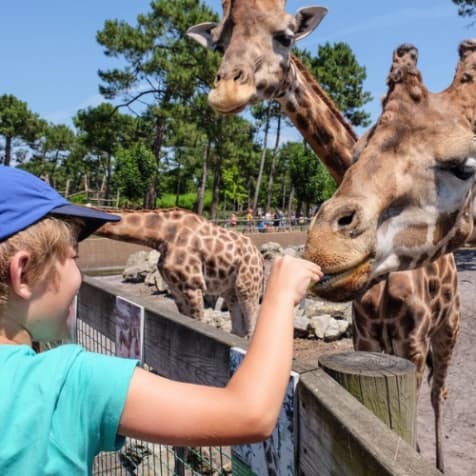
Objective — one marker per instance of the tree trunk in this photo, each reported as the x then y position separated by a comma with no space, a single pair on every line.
8,150
263,158
150,197
203,181
108,177
290,201
269,192
177,188
216,186
298,208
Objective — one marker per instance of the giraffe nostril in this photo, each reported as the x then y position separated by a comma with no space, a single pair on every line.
239,76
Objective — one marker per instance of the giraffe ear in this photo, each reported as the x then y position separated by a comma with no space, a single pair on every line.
202,34
307,20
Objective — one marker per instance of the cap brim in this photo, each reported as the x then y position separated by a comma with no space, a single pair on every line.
93,219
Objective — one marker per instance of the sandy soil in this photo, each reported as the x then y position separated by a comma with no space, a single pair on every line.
459,416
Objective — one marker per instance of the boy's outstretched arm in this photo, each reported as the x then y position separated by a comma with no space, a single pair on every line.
246,410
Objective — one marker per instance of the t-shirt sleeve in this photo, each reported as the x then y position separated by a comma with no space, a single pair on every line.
101,384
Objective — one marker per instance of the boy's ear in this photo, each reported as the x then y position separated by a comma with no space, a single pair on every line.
18,277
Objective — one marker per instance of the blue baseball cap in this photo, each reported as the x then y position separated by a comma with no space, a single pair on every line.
25,199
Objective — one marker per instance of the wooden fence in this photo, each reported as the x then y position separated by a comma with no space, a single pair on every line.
334,434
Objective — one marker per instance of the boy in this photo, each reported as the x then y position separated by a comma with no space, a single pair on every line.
59,408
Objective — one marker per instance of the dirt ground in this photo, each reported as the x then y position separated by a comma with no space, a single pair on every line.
459,414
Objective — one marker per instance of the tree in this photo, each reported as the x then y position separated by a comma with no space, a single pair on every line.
466,8
311,181
102,130
50,150
134,171
16,122
338,72
161,66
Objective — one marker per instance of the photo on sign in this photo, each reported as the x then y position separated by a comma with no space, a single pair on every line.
129,320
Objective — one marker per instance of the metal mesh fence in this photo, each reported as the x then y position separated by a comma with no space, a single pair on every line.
146,459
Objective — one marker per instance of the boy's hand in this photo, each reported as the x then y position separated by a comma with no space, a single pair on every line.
292,276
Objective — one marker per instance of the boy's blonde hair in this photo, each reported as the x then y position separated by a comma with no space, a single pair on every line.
47,240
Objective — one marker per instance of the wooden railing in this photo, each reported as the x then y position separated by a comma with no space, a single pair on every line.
334,434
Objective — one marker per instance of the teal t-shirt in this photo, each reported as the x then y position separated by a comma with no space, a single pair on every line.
59,408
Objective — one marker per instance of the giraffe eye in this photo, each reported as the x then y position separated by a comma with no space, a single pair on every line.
218,48
463,170
285,39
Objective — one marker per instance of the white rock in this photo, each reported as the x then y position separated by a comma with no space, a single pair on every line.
319,324
332,330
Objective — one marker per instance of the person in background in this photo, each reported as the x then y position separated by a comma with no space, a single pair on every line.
233,220
61,407
249,220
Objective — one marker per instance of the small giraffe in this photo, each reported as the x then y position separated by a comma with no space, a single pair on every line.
418,165
257,38
197,258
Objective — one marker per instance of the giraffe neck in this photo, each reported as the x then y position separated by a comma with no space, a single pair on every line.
150,228
318,120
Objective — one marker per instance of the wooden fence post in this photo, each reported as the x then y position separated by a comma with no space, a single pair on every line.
384,383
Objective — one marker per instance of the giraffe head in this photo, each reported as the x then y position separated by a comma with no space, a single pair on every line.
408,197
256,38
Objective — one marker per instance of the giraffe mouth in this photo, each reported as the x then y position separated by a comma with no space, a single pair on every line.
229,111
344,285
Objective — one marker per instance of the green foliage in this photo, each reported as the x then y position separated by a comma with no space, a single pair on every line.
341,76
312,183
233,186
156,52
134,171
103,129
186,200
466,8
17,122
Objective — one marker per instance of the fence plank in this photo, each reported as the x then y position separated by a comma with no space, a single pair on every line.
338,435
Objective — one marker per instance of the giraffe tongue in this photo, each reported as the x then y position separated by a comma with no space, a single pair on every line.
348,280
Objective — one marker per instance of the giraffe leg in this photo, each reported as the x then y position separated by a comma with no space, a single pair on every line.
189,302
442,345
238,324
248,290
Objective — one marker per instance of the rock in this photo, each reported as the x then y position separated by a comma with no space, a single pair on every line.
290,251
301,325
218,319
332,331
139,265
134,274
297,250
345,328
220,304
313,307
156,279
318,325
271,249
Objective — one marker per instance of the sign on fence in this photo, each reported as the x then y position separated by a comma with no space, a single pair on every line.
274,456
129,322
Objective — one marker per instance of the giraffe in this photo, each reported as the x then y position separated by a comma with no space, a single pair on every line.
418,165
197,258
257,65
256,38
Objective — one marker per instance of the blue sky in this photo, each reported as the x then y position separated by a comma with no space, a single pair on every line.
50,57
